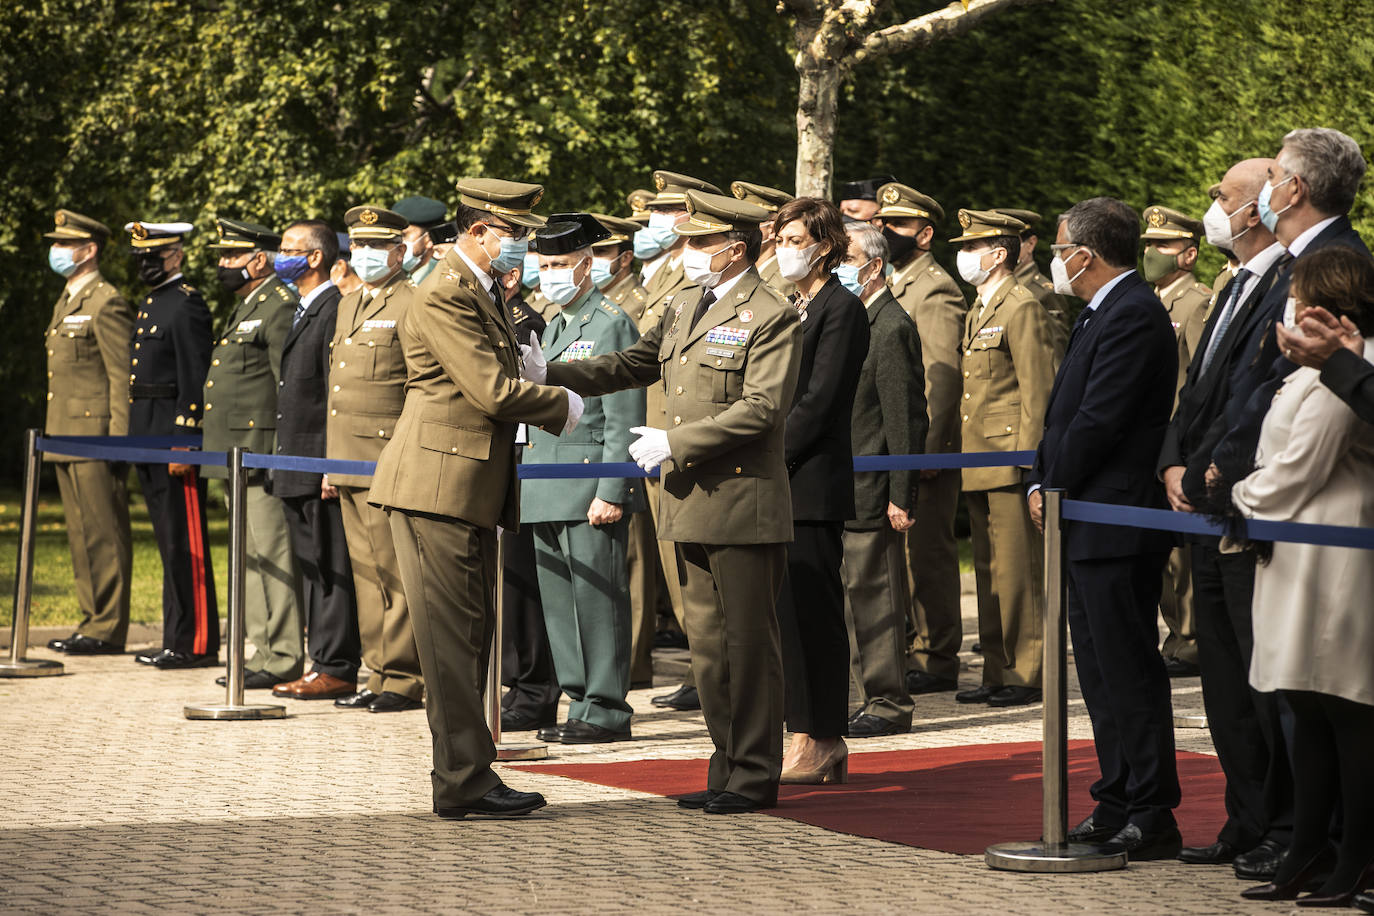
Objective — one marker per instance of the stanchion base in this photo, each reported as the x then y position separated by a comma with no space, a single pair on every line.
506,751
1043,859
31,667
225,711
1190,721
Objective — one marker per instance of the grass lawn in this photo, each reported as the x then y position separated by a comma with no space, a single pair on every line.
54,591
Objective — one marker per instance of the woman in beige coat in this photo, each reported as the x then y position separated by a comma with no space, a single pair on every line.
1314,606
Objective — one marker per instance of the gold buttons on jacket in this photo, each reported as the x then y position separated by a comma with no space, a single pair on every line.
677,390
718,362
739,470
333,413
968,352
342,364
138,346
210,383
348,340
214,362
454,449
677,421
336,387
223,341
250,424
683,360
586,461
134,362
965,418
966,373
49,395
967,395
382,433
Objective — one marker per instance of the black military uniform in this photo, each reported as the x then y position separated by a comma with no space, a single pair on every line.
169,356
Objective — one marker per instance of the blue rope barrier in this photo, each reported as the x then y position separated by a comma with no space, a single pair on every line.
1187,523
186,439
308,465
72,447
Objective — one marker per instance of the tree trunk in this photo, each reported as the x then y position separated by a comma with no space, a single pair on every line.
817,101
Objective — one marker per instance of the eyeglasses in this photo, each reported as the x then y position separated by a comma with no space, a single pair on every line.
515,232
1063,246
295,252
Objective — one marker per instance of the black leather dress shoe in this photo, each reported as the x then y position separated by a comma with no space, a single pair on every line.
57,645
575,731
360,700
866,726
388,701
1090,830
979,694
150,657
1140,846
670,639
1261,863
1219,853
1177,667
253,680
502,801
552,734
697,800
730,803
919,682
86,645
1014,696
519,720
1364,902
684,698
172,660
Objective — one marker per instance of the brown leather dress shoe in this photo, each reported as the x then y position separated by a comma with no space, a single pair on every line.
315,686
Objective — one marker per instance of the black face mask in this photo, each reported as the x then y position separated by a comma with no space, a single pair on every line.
900,245
151,270
232,278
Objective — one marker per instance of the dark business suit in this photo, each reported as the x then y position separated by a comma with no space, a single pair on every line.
316,525
1244,723
1104,426
1351,378
820,466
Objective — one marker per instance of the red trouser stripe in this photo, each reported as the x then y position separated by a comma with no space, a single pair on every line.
192,496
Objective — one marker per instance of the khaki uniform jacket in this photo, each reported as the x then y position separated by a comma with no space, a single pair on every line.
729,383
367,376
1030,277
1011,354
931,298
632,298
666,301
245,370
667,278
88,364
1187,303
453,452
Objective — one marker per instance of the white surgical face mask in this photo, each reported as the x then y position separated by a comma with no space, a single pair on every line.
970,265
558,283
696,264
1059,273
795,263
1217,223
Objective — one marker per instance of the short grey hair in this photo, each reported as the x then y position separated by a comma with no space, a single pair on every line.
1330,163
870,239
1105,225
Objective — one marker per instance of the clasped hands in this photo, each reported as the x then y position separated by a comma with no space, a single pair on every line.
534,368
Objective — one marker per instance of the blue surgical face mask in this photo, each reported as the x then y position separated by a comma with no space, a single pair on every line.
529,274
646,245
418,276
290,268
660,229
370,264
558,284
61,260
512,255
410,260
1267,216
602,275
848,275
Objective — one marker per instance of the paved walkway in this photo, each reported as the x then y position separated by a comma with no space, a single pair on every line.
116,803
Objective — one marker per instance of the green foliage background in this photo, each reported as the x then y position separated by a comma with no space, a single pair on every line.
291,108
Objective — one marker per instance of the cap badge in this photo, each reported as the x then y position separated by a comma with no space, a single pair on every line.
1155,218
659,182
367,217
890,196
534,201
964,219
139,232
61,219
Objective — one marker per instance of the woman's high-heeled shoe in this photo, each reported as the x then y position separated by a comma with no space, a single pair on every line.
1289,890
1343,898
833,769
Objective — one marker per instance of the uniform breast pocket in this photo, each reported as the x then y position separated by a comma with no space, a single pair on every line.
78,340
455,440
720,374
1001,423
382,354
989,357
247,349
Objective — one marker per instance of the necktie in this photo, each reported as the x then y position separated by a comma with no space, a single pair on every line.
1228,314
707,299
300,311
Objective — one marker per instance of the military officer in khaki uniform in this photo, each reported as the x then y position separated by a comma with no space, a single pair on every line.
1010,356
1028,274
447,479
88,395
728,358
930,296
769,199
367,390
1171,248
241,409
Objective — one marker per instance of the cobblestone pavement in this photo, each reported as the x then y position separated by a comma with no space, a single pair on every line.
116,803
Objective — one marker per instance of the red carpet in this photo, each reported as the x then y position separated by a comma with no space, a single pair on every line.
955,799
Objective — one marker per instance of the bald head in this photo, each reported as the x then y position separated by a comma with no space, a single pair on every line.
1238,195
1247,177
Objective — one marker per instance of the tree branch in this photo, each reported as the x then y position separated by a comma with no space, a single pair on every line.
955,19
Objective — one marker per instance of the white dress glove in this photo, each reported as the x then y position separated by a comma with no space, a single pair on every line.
533,366
575,407
651,448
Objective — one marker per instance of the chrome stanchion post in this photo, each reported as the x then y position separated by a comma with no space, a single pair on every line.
504,750
234,707
1053,852
18,665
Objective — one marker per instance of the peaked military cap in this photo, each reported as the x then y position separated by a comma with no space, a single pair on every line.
708,214
70,226
769,199
638,200
420,211
621,231
510,200
987,224
445,232
567,232
864,188
235,235
672,188
372,222
145,235
1164,224
899,200
1029,217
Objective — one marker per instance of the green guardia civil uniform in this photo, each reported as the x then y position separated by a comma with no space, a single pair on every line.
1011,353
930,296
582,568
241,409
729,375
88,395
